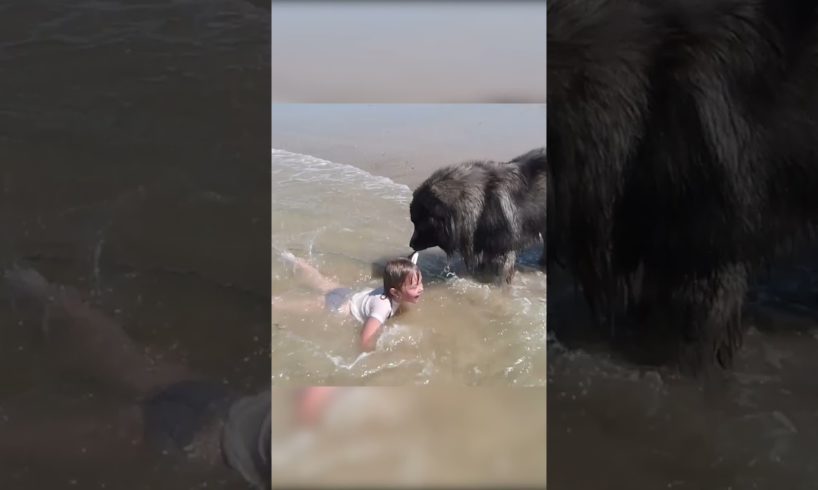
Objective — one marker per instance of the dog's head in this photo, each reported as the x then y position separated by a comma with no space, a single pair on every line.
432,220
445,208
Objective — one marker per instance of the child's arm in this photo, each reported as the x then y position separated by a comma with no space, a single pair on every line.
369,334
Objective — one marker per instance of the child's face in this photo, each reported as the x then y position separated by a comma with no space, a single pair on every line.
412,289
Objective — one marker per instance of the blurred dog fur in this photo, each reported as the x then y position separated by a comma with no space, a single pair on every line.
681,158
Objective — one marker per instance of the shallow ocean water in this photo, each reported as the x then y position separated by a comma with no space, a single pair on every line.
345,222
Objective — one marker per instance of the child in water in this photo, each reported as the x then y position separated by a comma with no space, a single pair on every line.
402,285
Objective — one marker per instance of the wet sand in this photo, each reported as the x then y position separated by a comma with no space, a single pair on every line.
407,142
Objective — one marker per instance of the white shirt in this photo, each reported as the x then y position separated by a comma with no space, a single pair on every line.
372,303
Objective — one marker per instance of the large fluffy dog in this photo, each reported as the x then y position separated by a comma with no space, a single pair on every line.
486,211
682,146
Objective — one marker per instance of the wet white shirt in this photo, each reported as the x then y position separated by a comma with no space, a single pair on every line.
372,303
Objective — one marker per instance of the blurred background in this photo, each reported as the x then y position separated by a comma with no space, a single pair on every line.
134,141
390,51
418,437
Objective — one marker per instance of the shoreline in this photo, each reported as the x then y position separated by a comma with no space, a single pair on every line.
407,142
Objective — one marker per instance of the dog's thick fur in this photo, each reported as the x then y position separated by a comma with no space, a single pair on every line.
486,211
682,146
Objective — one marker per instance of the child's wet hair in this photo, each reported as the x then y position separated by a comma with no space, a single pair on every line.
396,272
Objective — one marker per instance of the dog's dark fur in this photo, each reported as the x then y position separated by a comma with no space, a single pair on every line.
682,146
486,211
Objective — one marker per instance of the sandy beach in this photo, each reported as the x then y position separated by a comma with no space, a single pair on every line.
406,142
